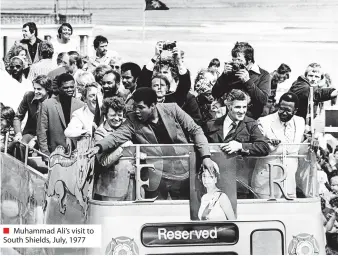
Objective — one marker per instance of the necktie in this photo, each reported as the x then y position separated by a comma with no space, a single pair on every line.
232,131
288,133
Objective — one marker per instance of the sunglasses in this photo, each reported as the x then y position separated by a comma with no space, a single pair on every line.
16,66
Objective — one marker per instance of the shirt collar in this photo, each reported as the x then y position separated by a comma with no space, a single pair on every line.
290,122
107,127
228,121
41,100
255,68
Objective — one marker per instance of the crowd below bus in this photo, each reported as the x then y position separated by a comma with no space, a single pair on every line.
53,93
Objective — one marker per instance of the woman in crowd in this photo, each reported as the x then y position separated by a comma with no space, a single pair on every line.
81,81
20,51
215,204
82,121
63,41
114,176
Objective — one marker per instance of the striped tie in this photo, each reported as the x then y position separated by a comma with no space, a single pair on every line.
231,132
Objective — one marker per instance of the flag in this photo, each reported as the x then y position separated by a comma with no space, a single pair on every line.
154,5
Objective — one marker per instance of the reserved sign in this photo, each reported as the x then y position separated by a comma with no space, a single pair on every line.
176,234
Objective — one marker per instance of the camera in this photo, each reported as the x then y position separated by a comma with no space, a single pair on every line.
169,46
236,66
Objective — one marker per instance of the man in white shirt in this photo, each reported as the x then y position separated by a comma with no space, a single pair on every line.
280,127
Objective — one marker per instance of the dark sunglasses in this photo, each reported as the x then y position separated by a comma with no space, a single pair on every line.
16,66
116,67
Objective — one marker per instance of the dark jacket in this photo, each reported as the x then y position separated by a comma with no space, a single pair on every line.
247,133
24,43
30,106
52,124
301,87
258,88
181,96
177,124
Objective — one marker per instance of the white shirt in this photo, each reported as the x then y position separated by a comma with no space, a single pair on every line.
227,125
80,123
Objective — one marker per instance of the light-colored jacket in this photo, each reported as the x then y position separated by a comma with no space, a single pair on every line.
272,128
80,123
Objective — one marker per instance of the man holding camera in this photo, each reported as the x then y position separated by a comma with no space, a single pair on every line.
244,74
168,62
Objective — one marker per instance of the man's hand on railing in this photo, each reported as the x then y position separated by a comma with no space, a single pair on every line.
32,142
92,151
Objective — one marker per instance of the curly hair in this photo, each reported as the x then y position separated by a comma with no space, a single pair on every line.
115,103
167,63
47,50
7,113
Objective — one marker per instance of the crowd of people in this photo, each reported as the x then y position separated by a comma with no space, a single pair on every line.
66,95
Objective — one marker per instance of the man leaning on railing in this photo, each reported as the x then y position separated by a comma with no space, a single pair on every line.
280,127
162,123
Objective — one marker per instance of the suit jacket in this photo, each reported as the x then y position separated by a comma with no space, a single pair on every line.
178,123
301,87
247,133
272,128
52,124
30,106
24,43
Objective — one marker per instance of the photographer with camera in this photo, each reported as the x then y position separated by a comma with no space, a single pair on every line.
243,73
168,62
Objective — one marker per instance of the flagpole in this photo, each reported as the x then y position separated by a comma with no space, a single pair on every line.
144,21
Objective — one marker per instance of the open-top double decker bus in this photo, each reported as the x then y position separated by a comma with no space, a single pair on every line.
74,192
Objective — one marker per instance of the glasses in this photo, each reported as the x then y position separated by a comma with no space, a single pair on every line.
282,110
115,67
16,66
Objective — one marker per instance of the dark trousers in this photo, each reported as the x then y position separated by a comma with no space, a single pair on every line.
177,189
18,149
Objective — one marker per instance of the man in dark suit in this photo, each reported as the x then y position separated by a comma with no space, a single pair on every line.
237,132
55,115
162,123
244,74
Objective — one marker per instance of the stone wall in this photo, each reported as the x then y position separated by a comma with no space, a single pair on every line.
12,18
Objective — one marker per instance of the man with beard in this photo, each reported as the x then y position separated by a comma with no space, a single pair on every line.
110,87
102,55
16,71
55,115
30,42
301,87
244,74
280,127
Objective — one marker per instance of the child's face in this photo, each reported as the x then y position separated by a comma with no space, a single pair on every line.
334,184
